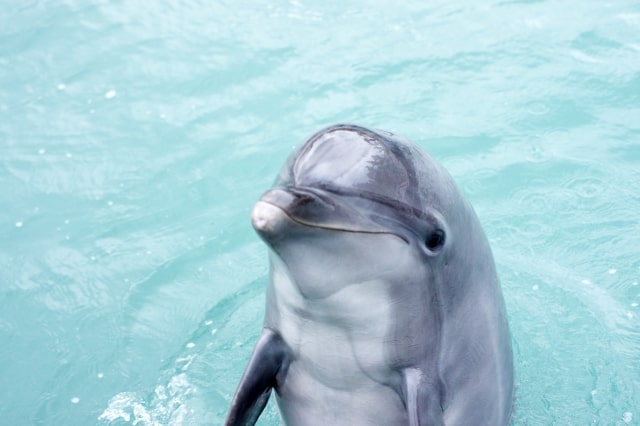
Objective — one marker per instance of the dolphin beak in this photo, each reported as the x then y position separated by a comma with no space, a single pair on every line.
268,219
280,209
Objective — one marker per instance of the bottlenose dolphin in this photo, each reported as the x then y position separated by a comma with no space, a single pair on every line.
384,307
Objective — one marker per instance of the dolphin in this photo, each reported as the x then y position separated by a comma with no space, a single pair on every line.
384,306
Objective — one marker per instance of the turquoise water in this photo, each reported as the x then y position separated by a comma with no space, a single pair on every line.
136,136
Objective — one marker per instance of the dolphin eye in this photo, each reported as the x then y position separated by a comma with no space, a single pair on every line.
435,240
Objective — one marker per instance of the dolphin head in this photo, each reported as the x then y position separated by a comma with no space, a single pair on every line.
352,204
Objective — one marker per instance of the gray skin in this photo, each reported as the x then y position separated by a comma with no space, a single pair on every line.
384,307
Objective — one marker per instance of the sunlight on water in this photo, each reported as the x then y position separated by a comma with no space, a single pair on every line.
135,138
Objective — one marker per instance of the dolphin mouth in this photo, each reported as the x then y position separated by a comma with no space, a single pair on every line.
311,208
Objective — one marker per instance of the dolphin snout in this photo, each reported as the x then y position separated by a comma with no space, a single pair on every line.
268,219
281,210
300,204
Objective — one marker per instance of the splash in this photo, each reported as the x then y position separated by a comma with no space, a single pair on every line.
167,406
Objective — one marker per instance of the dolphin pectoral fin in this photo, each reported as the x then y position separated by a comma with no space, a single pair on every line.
421,399
269,360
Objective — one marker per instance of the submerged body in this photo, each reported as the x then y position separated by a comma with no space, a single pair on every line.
383,307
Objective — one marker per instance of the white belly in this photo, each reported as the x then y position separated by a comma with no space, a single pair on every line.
304,401
340,373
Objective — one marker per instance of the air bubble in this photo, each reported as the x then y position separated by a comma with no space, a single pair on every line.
19,224
110,94
191,345
612,271
75,400
535,287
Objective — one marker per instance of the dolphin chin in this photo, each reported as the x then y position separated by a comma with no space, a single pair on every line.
383,306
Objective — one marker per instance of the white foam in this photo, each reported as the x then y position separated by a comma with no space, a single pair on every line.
118,407
167,406
19,224
208,322
191,345
586,282
75,400
634,305
627,417
100,375
535,287
61,86
612,271
110,94
42,151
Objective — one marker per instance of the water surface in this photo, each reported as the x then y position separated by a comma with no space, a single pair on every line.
136,136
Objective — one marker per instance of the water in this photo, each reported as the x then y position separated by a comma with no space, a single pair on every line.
136,136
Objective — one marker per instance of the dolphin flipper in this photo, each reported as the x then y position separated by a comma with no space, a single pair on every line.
270,359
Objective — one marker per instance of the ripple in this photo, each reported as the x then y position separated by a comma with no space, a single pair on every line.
538,108
586,187
533,201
